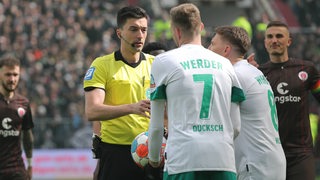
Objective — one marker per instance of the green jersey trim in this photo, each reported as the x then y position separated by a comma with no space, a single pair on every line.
159,93
237,95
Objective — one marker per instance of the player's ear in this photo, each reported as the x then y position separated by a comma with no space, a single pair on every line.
118,32
289,42
201,27
227,50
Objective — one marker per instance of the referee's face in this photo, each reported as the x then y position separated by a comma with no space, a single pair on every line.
133,34
9,77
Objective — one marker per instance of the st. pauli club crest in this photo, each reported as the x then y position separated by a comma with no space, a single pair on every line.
303,75
21,112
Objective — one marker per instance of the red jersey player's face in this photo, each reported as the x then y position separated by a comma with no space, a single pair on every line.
9,77
277,41
134,33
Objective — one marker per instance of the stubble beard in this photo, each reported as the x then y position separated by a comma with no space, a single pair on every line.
276,53
7,88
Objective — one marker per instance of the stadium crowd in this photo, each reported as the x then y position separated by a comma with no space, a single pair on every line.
56,40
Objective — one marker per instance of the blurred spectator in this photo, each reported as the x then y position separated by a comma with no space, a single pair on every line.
243,21
56,40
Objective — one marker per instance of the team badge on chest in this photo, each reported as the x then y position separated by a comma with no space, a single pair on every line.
21,112
303,75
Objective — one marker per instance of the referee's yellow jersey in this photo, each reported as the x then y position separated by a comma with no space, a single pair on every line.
123,84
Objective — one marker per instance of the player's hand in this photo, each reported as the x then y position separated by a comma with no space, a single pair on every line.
29,172
142,108
252,61
165,133
152,173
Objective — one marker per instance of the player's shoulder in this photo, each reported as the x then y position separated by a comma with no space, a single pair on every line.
105,58
170,54
19,97
245,67
148,57
265,64
300,62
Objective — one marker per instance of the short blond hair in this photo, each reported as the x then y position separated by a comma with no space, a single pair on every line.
187,17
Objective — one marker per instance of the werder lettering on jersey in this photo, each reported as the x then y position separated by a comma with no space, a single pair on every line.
207,127
7,131
262,80
201,64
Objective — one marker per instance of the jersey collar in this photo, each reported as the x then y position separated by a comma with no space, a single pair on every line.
118,57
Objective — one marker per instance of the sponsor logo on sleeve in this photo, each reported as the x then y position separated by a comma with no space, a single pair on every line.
89,73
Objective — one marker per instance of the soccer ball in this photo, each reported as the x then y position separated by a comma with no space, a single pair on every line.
139,149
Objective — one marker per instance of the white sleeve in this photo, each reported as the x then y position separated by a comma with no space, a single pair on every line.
156,128
237,97
236,119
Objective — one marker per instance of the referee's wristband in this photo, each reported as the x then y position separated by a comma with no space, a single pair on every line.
29,161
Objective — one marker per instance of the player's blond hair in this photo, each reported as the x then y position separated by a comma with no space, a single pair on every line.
187,18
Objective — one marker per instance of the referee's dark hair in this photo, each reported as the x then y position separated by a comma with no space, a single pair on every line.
130,12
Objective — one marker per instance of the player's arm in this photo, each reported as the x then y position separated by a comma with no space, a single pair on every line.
96,110
156,129
237,97
165,133
315,82
235,117
27,141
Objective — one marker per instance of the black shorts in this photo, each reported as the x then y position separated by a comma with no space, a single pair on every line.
301,167
19,175
116,163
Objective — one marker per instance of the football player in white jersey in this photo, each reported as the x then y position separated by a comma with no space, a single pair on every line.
202,93
259,154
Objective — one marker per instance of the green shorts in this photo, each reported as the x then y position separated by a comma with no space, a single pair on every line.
201,175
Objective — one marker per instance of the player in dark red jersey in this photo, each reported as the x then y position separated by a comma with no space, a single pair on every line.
292,80
16,124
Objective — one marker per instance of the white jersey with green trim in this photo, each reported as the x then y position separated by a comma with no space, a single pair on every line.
259,154
202,95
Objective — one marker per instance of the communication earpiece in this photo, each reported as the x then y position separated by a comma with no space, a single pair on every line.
131,44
